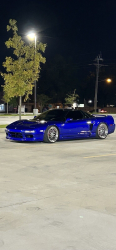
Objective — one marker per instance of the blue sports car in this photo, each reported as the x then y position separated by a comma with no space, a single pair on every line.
61,124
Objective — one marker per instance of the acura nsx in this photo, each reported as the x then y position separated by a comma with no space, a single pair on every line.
61,124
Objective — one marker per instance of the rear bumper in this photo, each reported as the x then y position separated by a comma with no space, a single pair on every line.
111,128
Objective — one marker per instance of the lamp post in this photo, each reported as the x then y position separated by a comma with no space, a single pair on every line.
107,80
32,36
97,59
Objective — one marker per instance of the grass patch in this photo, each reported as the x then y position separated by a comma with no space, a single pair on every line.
3,125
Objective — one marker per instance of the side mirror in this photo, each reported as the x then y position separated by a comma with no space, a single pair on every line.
69,119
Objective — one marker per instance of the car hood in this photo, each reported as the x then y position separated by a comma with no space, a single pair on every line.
25,124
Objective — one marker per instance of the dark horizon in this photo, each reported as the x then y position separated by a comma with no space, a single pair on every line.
76,30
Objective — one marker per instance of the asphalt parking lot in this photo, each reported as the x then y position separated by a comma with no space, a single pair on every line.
58,196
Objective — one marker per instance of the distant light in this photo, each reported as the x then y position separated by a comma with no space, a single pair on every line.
90,101
74,105
2,107
108,80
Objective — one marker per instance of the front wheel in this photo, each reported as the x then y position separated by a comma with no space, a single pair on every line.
51,134
102,131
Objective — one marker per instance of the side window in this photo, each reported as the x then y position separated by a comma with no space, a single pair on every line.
70,115
87,115
75,115
78,114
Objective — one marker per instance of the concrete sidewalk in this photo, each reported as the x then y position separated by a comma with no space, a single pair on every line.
9,119
59,196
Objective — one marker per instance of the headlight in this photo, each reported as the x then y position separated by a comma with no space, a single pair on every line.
6,130
31,131
42,121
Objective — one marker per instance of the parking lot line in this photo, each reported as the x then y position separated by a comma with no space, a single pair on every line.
95,156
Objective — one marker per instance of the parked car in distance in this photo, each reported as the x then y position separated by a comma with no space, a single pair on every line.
103,111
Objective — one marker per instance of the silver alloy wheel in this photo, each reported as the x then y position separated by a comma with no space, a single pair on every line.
102,131
52,134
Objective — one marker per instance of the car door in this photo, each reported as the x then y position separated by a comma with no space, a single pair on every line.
75,125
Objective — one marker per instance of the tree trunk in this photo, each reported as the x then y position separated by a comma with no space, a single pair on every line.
41,107
20,107
7,107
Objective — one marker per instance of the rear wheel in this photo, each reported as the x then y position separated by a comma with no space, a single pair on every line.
102,131
51,134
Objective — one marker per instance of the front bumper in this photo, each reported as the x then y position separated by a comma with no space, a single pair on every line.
20,135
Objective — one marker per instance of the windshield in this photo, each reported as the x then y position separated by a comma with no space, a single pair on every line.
50,115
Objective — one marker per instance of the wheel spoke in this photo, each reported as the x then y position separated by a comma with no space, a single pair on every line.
102,131
52,134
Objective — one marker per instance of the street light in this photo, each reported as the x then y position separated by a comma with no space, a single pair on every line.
32,36
89,101
108,80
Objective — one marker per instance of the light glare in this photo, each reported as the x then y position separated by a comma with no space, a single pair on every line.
108,80
31,35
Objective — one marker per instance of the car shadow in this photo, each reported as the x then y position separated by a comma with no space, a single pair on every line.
60,141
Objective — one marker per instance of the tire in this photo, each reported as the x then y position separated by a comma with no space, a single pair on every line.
102,131
51,134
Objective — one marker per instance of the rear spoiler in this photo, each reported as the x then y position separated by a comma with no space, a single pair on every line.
99,115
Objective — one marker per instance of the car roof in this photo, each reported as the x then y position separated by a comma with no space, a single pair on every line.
67,109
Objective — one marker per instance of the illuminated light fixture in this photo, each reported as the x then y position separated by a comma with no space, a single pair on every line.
90,101
31,35
31,131
108,80
74,105
42,121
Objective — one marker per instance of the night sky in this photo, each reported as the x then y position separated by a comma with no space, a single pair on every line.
77,28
